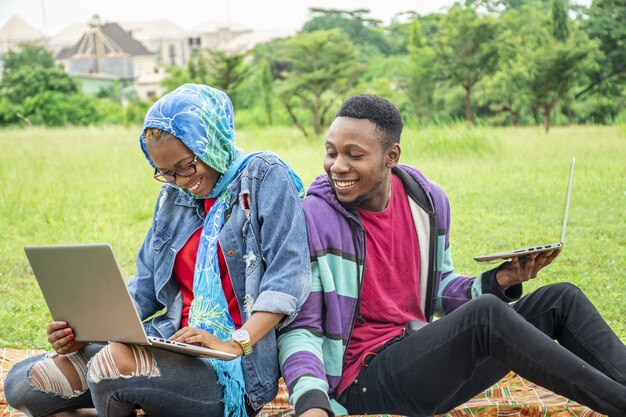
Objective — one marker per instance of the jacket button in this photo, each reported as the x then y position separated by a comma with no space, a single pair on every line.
364,389
230,253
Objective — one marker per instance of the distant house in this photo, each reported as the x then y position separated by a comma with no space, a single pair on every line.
171,44
212,35
107,51
17,32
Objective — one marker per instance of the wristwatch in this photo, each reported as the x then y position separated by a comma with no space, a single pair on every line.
242,337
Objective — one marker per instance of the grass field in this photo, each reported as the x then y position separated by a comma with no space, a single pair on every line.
506,187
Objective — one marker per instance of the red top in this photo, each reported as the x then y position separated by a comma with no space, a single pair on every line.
391,279
184,266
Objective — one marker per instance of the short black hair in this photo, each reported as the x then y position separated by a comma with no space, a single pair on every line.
377,110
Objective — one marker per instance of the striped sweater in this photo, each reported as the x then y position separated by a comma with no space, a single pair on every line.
312,347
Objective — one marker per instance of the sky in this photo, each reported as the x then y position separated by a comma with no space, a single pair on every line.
52,16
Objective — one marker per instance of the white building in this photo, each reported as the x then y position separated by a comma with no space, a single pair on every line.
171,44
16,32
212,34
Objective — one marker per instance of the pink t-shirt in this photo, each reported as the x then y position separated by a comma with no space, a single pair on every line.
390,294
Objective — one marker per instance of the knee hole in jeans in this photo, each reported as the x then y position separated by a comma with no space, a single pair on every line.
64,375
118,360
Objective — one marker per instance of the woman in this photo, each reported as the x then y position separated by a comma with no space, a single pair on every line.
227,250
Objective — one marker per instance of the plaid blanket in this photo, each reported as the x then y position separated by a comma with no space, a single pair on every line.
513,396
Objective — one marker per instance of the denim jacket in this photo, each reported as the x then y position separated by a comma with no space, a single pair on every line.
265,246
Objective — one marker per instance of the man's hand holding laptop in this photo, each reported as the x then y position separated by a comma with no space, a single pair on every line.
524,268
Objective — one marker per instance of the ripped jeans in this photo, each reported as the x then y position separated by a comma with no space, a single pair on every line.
160,382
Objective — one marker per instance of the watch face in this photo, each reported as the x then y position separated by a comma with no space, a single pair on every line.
241,335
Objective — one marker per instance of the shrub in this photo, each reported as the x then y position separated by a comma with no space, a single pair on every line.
135,112
8,112
53,108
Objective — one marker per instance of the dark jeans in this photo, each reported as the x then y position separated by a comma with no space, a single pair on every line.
455,358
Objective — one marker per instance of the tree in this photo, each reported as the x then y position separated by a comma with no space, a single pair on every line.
29,55
216,68
502,6
177,76
503,96
30,81
504,92
539,64
322,66
267,89
606,22
31,72
361,30
53,108
226,71
560,29
9,112
555,73
421,73
526,28
466,50
560,32
549,71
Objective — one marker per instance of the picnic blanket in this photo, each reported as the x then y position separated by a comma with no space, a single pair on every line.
513,396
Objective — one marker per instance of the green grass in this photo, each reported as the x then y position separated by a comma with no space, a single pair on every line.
506,188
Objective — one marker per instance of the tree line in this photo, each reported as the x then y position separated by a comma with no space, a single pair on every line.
496,62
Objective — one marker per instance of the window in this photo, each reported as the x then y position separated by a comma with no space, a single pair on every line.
172,54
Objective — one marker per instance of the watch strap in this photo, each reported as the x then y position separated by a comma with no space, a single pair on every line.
244,342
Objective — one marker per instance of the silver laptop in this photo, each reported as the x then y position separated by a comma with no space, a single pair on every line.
83,285
537,248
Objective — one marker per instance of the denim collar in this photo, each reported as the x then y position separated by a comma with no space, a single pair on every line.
187,200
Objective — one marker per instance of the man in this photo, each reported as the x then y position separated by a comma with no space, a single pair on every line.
364,341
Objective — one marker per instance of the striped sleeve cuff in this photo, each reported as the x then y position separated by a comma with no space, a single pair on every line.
313,399
487,284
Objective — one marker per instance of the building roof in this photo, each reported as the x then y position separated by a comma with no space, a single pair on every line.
19,30
68,36
154,29
111,37
212,26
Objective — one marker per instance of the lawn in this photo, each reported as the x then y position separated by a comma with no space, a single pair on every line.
506,187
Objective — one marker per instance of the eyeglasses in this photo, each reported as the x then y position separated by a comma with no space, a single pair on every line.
170,177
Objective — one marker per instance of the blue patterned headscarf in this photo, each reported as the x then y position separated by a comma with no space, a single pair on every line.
202,118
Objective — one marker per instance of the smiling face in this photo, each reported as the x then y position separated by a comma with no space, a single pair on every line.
358,167
169,154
